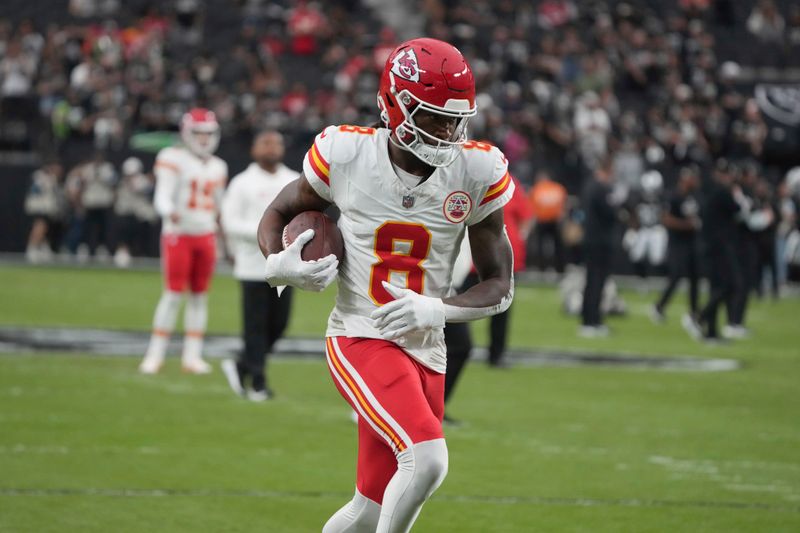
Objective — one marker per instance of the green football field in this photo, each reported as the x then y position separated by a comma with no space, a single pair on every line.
87,444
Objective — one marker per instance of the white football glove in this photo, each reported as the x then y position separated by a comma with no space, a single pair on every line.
288,268
408,312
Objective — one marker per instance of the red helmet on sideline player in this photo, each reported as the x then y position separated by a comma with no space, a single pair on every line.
200,131
433,76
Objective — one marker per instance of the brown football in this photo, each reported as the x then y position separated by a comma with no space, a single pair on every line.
327,237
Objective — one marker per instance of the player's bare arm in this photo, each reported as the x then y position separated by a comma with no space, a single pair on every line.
295,198
285,266
491,255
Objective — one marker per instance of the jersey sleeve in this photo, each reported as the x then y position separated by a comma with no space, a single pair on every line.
167,164
495,186
167,171
316,163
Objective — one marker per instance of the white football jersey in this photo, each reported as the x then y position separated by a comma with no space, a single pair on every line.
191,187
408,236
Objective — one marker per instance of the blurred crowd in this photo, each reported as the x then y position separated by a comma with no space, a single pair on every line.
561,84
563,87
92,212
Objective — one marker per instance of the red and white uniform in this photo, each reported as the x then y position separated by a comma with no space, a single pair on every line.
190,187
408,236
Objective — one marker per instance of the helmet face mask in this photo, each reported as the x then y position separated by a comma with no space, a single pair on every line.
427,94
200,132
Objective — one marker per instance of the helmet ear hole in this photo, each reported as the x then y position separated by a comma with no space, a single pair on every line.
387,99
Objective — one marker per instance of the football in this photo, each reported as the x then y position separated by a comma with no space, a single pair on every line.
327,237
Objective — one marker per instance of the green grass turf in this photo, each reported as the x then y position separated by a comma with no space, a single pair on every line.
543,449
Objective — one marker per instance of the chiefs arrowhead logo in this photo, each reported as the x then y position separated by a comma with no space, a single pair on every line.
405,65
457,206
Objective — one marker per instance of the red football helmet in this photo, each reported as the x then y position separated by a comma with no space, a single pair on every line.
200,131
432,76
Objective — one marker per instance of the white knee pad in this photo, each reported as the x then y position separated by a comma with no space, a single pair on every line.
427,460
196,316
420,470
167,311
359,515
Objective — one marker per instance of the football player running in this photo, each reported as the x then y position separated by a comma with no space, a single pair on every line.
190,181
406,192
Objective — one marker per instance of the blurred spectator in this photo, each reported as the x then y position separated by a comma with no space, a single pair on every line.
547,200
17,71
766,22
592,127
600,203
748,132
787,210
793,30
90,186
745,178
46,205
723,205
306,25
646,239
764,224
93,8
134,214
554,13
682,220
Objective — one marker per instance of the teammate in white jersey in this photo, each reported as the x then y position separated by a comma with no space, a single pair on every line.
190,181
406,194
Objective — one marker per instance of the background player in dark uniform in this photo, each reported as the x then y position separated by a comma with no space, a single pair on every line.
646,238
682,220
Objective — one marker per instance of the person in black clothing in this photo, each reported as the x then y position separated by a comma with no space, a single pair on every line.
747,258
600,204
682,220
458,340
719,222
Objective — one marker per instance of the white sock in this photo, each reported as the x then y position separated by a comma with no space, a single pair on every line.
163,324
421,468
194,326
359,515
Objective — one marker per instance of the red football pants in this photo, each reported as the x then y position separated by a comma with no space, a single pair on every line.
188,260
400,402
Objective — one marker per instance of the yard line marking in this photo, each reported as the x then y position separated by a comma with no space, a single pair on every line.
496,500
